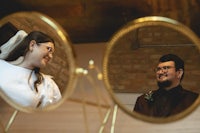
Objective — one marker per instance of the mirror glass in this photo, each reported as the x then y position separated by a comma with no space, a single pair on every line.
132,54
60,71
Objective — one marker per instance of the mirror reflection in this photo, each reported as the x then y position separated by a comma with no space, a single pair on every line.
170,98
37,62
30,53
151,69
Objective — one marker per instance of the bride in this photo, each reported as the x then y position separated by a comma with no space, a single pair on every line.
20,78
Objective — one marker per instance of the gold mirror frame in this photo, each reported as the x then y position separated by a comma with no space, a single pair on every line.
30,21
131,26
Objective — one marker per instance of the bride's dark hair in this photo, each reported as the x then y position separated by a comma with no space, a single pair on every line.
23,48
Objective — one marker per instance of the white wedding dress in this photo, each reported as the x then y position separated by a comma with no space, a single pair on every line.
18,85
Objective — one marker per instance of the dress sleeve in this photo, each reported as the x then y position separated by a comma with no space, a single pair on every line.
50,92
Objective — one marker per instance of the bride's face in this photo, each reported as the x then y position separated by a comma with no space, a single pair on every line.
41,54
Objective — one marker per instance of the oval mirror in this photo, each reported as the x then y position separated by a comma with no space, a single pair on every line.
128,68
59,74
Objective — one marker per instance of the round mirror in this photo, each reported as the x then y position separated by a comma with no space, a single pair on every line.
58,76
132,55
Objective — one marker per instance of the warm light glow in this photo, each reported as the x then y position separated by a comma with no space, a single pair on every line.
81,71
91,64
100,76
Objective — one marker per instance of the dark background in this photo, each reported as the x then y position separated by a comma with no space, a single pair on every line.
89,21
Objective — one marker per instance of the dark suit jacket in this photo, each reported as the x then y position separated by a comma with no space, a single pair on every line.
162,103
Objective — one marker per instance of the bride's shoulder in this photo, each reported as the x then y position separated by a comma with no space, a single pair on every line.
3,61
